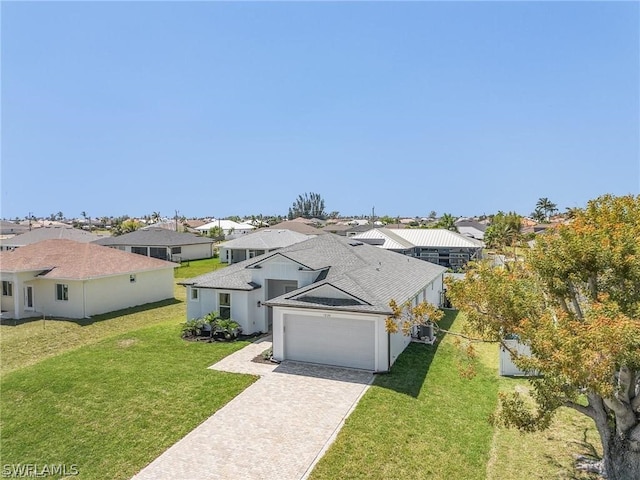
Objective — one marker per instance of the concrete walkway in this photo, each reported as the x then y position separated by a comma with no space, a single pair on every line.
276,429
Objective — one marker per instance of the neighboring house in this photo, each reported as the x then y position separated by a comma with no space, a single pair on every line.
337,228
299,227
171,225
162,244
325,299
471,228
230,228
539,228
443,247
9,229
70,279
47,233
258,243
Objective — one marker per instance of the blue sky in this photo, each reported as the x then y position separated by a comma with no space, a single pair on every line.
220,108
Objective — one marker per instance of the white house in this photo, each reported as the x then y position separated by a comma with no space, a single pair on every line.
230,228
258,243
69,279
326,299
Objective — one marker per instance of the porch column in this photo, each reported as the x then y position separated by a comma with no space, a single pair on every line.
18,297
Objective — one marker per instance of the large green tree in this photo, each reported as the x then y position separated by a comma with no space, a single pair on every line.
575,301
504,231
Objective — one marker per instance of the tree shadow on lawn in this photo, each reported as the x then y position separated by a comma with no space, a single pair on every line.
83,322
410,369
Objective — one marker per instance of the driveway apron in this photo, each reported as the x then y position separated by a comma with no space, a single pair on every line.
277,428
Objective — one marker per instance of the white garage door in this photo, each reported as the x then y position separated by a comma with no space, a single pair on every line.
337,341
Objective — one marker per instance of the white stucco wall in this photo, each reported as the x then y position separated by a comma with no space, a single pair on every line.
398,343
433,291
117,292
47,303
194,252
89,297
244,309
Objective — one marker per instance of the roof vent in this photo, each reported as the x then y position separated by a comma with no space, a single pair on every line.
355,244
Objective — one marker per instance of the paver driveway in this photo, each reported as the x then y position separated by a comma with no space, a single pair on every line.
276,429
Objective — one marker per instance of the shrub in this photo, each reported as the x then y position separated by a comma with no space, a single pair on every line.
193,328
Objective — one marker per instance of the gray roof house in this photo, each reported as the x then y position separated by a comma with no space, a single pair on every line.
471,228
258,243
443,247
325,299
11,228
163,244
48,233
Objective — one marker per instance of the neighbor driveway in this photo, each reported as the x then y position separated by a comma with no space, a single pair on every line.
276,429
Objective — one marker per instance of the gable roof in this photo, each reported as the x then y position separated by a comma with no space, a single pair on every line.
470,223
47,233
419,237
71,260
266,239
158,237
372,275
299,227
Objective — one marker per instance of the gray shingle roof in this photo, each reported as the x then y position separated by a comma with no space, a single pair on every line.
370,274
159,237
50,233
266,239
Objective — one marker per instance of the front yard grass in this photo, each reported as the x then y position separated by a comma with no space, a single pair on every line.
193,268
113,407
26,342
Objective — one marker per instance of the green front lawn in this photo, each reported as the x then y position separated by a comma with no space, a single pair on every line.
193,268
26,342
113,407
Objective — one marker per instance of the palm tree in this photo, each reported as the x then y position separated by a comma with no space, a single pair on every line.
571,212
60,216
538,215
155,217
547,206
447,222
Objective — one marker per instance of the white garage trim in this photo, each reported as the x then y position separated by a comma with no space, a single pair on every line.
330,338
338,341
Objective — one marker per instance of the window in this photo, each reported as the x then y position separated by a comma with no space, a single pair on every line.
432,257
255,253
7,288
224,304
139,250
194,294
158,252
62,291
132,279
176,250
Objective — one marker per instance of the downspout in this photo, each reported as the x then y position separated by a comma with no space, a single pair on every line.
84,299
388,352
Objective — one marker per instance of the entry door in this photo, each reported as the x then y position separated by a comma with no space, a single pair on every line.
28,297
275,288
